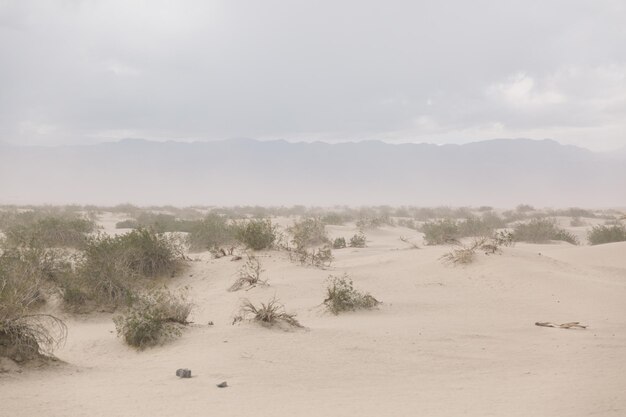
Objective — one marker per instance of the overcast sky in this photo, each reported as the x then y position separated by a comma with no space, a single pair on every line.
400,71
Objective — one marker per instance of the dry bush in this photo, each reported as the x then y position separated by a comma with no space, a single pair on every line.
249,274
359,240
319,258
153,318
48,229
24,333
339,243
465,254
268,314
212,231
606,234
342,296
256,234
110,267
440,232
308,232
542,231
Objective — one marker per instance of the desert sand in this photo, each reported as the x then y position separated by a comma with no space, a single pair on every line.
447,341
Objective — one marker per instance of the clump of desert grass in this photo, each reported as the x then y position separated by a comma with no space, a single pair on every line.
358,240
25,332
154,317
341,296
249,274
267,314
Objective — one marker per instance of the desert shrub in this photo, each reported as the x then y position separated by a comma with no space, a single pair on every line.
110,266
606,234
212,231
358,241
308,232
339,243
249,274
335,219
542,231
460,255
576,222
408,223
267,314
474,226
440,232
342,296
374,221
319,257
49,231
24,333
256,234
127,224
153,318
524,208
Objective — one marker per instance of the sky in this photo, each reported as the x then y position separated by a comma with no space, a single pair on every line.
81,72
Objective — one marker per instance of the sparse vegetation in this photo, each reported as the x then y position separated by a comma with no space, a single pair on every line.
359,240
342,296
339,243
110,266
256,234
268,314
440,232
542,231
212,231
25,333
308,232
48,230
606,234
249,274
153,318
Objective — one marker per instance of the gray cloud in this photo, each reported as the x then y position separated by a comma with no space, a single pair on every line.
454,71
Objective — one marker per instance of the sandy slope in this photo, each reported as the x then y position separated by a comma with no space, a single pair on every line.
448,341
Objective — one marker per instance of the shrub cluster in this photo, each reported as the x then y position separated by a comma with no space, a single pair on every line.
256,234
342,296
606,234
212,231
153,318
542,231
308,232
69,230
359,240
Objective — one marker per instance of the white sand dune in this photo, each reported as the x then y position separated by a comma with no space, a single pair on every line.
447,341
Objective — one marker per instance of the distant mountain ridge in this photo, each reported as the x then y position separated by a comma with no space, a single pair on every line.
500,172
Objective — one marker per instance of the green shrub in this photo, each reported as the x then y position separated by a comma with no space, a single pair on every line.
358,241
212,231
542,231
110,266
339,243
308,232
153,318
440,232
256,234
606,234
49,231
342,296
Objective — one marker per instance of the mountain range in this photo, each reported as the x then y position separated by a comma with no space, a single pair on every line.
500,172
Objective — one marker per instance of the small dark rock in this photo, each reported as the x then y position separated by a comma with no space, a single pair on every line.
183,373
222,384
236,258
210,323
